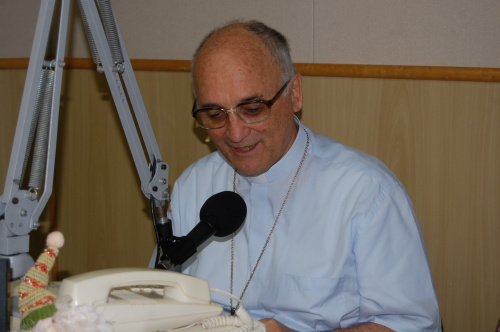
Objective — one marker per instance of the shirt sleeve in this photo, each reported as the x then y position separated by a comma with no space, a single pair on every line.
395,282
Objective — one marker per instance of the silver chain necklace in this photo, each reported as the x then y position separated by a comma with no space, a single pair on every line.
270,233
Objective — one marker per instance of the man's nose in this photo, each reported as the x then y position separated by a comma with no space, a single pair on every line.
236,128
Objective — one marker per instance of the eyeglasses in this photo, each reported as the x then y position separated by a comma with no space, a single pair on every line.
250,112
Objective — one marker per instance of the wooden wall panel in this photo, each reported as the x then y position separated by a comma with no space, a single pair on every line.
11,83
441,139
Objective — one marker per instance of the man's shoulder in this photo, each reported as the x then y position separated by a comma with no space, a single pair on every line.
213,159
342,158
205,167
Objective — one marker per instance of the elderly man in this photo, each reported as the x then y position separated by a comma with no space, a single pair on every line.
330,240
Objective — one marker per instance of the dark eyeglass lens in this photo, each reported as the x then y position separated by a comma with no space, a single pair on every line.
253,112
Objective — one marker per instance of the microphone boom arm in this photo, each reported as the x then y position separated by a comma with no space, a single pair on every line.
21,205
153,182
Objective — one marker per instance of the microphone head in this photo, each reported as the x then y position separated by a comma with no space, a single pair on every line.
225,211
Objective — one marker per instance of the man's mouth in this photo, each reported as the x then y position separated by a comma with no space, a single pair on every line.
245,148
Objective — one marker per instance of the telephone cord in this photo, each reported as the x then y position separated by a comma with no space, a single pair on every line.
242,322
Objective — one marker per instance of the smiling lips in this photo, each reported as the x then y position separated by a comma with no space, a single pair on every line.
245,149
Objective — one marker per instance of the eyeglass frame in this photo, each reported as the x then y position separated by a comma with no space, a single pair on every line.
269,103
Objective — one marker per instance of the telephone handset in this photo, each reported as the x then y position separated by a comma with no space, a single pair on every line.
139,299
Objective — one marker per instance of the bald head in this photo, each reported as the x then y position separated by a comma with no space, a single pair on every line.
245,38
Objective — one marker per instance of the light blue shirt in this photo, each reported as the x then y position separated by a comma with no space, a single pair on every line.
347,248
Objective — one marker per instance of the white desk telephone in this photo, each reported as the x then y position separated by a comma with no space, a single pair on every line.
136,299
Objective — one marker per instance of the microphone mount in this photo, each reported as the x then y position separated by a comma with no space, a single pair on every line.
221,215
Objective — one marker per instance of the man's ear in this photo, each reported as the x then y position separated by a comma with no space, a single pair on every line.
296,92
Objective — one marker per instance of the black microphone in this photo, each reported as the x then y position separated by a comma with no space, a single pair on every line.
221,215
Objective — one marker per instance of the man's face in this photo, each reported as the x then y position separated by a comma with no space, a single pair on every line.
236,68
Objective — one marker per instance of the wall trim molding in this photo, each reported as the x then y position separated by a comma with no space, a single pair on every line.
307,69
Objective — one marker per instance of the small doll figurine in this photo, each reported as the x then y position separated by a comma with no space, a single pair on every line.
35,301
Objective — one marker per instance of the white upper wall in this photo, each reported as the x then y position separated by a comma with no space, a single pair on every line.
458,33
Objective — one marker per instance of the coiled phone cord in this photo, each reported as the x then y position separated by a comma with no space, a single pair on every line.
242,322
